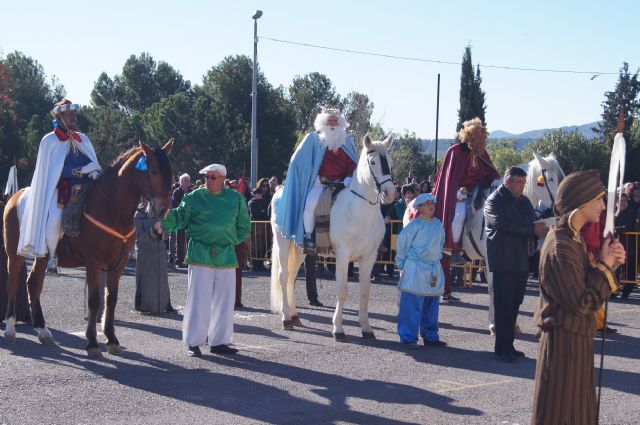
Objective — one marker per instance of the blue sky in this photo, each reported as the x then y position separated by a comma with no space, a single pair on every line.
77,40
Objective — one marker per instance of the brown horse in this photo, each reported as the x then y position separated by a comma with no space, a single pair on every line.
107,235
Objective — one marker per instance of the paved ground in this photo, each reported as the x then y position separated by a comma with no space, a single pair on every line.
290,377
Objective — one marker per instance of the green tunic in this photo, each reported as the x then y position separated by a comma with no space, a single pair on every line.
215,225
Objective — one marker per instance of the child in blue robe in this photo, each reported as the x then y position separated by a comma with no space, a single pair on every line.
419,250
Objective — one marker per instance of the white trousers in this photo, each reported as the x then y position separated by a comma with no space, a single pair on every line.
208,317
458,221
54,225
309,215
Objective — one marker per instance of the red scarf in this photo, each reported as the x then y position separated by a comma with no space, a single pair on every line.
63,136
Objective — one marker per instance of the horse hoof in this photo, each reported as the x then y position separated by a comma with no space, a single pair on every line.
94,353
115,349
11,338
287,325
517,330
368,335
295,320
47,340
340,337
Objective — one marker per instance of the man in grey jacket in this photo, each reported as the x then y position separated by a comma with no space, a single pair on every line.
509,223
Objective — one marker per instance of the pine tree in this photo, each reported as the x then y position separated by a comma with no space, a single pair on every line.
471,95
626,94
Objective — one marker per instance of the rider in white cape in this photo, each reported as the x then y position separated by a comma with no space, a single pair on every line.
41,221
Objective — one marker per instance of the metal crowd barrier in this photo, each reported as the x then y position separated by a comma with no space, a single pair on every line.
259,249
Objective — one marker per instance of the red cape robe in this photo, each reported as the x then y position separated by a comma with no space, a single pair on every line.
452,171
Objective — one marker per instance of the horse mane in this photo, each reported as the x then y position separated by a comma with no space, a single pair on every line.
126,159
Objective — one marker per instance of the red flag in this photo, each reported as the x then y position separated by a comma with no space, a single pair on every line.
243,184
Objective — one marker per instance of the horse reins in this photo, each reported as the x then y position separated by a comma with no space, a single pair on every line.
123,237
384,164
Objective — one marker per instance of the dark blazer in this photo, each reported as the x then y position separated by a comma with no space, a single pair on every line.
509,228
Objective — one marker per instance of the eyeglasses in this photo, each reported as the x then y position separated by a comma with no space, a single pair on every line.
214,177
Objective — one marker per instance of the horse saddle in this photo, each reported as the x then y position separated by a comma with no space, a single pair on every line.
72,213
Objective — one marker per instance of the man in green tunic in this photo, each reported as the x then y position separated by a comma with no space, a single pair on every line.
572,287
216,220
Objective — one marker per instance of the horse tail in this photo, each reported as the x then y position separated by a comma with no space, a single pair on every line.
276,269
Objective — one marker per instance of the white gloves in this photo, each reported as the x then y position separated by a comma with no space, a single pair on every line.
346,181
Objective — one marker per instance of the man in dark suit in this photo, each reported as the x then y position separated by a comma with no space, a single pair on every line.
180,236
509,223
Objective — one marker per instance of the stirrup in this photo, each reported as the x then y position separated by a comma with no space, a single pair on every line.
309,246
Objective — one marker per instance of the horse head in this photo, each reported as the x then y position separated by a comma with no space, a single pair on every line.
377,170
544,175
153,177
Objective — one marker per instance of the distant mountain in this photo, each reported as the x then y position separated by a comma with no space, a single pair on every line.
584,129
428,145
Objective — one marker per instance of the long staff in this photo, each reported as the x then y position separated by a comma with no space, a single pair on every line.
616,178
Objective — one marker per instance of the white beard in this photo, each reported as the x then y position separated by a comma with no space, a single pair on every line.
332,138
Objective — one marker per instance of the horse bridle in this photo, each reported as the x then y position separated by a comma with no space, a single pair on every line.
546,185
386,171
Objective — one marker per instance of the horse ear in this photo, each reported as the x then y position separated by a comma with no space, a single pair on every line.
168,146
367,142
388,142
146,149
540,160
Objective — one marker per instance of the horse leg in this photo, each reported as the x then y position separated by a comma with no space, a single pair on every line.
366,265
283,279
342,266
108,327
35,283
93,300
296,258
14,263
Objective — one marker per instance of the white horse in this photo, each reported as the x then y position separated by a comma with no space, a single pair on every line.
356,231
543,177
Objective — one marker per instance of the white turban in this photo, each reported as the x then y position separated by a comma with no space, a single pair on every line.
214,167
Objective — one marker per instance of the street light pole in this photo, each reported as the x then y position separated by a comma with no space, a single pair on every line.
254,100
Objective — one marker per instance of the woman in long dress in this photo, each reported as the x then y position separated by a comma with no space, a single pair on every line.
152,281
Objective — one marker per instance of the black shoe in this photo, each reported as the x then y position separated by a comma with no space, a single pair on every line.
316,303
238,306
171,310
516,353
181,265
223,349
449,297
507,358
194,352
437,343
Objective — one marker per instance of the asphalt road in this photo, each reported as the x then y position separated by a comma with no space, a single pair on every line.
284,377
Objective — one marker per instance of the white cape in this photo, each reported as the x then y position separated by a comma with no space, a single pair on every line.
51,156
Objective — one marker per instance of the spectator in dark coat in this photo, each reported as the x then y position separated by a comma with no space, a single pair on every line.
259,211
178,240
509,223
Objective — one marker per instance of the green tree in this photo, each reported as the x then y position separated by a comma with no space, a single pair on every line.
227,106
142,83
626,94
472,102
504,154
357,110
308,94
28,96
407,155
573,151
111,130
